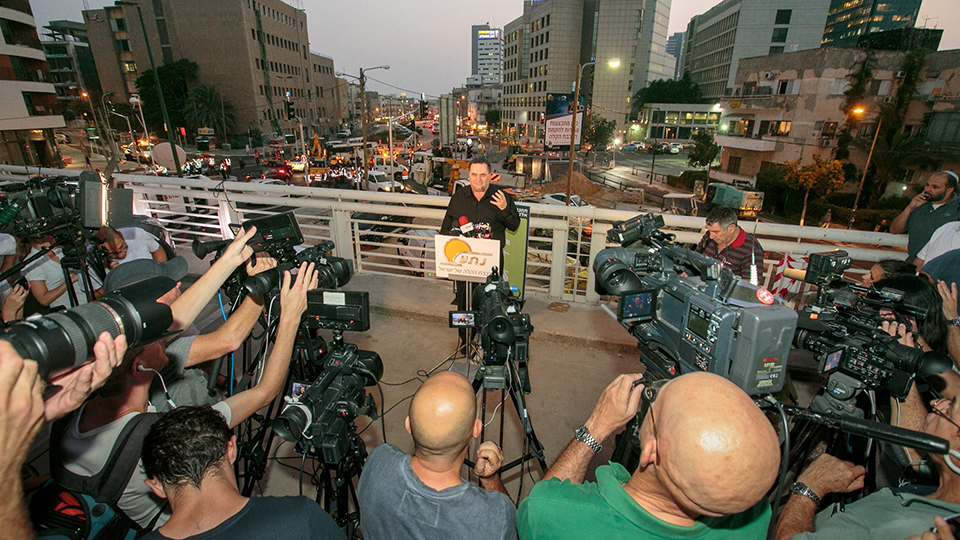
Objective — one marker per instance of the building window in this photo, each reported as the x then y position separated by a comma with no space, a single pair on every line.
783,16
733,165
776,49
779,35
124,45
829,130
130,67
780,129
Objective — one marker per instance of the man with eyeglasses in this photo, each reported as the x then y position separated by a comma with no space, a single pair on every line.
708,456
892,514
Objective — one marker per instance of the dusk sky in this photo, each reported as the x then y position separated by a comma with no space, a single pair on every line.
426,43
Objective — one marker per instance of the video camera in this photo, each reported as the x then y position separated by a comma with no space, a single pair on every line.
279,236
61,342
43,205
709,322
842,327
504,330
322,412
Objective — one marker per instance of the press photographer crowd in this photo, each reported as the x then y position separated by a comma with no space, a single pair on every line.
156,429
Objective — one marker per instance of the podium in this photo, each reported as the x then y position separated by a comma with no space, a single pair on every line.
465,259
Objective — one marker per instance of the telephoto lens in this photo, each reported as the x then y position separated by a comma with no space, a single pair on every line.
61,342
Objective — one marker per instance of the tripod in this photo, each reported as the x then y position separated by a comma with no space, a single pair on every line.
506,377
335,490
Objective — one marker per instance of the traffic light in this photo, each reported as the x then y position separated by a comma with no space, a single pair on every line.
423,109
288,106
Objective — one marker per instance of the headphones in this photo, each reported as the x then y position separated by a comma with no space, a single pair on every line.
950,463
174,405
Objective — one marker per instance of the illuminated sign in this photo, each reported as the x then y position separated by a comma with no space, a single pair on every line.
488,34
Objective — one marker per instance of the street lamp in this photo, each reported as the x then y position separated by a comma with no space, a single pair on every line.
613,63
654,149
613,162
363,114
106,122
96,123
856,201
156,79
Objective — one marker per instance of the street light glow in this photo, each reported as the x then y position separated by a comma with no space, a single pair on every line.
613,62
858,110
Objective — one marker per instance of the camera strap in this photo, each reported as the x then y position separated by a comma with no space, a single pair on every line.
107,485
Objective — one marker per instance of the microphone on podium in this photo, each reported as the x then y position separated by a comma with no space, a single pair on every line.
466,226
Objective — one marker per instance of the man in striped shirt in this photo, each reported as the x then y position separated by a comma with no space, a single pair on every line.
734,247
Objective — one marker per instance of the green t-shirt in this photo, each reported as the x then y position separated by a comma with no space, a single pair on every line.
557,510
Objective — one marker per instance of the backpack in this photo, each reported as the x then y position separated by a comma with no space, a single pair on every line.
75,507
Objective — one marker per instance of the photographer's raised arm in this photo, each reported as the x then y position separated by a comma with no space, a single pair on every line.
191,302
293,303
232,333
617,405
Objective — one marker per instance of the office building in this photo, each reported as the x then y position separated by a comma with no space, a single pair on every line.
72,70
848,20
256,52
790,107
675,49
543,49
733,29
28,98
324,114
485,47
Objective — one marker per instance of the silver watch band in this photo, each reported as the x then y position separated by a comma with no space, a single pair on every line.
799,488
582,434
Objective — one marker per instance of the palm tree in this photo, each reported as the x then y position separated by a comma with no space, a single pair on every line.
206,106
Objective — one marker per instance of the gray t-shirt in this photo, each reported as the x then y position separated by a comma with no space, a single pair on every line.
396,504
187,386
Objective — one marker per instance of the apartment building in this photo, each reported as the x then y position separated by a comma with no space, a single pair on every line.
789,106
256,52
72,69
28,98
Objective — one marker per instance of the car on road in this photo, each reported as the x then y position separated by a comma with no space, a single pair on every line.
560,199
380,181
63,138
657,148
266,172
674,148
298,165
632,147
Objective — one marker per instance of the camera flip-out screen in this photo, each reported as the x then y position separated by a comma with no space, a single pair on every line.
831,361
463,319
637,307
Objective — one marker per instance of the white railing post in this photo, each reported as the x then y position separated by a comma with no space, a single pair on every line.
558,263
343,237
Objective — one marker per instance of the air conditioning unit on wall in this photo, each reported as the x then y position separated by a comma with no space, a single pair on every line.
826,143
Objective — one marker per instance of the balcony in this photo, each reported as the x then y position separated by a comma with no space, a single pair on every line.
746,143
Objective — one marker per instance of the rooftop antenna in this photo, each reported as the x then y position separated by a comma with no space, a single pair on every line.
927,18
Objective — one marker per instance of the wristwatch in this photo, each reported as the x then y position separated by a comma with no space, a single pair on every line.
582,434
799,488
954,321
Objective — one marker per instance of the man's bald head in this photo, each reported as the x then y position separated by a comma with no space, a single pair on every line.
442,415
718,454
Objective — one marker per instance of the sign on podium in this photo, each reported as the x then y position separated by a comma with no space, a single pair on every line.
466,259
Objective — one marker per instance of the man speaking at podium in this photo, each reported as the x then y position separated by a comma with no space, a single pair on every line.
483,211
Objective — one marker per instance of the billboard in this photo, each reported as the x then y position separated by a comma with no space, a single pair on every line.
559,115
